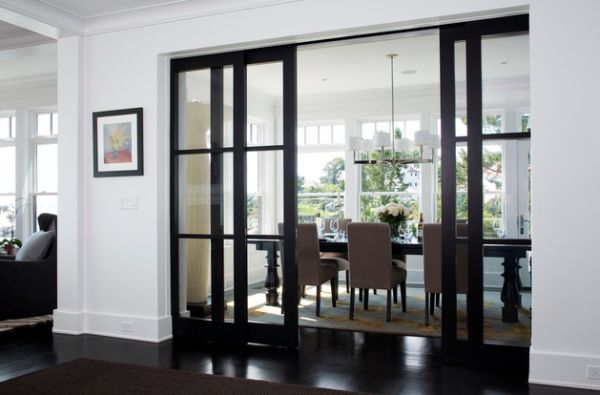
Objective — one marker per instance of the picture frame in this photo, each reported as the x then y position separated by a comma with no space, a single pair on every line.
118,143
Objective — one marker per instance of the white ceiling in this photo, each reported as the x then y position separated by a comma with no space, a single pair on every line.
12,36
29,63
92,8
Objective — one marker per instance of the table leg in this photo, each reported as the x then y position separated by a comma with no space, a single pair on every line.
510,295
272,281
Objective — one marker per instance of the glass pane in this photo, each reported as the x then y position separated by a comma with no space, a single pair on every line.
7,216
460,77
196,189
325,134
321,185
462,189
368,130
45,204
265,101
5,128
54,123
312,135
199,297
264,192
194,109
494,221
339,134
43,124
265,283
300,136
505,83
47,168
7,164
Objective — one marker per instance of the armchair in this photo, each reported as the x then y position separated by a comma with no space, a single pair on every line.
28,287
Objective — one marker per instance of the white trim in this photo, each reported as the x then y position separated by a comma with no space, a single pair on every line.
562,369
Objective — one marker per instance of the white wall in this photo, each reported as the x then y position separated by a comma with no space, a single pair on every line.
124,262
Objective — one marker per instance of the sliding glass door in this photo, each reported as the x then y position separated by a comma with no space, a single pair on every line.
233,195
485,189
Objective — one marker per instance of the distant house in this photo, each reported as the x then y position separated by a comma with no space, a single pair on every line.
412,177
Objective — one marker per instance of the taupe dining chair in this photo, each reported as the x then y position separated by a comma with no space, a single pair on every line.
432,261
371,263
312,269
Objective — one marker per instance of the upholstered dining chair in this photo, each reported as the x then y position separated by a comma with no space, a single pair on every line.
371,263
312,269
432,263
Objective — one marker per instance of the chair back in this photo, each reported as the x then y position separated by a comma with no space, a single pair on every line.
370,255
432,259
309,261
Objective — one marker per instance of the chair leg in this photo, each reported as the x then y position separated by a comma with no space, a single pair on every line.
437,300
426,308
431,304
347,281
360,294
395,293
351,303
403,295
374,291
333,293
304,291
388,309
318,300
366,298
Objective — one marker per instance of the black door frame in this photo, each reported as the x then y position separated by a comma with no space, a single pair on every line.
472,351
217,329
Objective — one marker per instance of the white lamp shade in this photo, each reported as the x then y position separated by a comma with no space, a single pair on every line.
354,143
422,137
367,145
402,145
383,139
434,140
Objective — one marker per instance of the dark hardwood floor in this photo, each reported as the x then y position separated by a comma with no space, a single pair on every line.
333,359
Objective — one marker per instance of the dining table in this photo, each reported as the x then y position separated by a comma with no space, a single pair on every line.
509,252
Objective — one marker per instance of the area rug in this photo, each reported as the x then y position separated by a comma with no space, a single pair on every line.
13,324
410,323
90,376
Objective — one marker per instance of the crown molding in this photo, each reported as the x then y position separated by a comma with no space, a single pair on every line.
173,12
40,18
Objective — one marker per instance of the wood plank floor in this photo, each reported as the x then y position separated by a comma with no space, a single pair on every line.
375,363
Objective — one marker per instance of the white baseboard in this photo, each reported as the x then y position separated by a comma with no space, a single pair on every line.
67,322
561,369
154,330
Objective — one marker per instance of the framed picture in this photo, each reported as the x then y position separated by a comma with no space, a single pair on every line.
118,143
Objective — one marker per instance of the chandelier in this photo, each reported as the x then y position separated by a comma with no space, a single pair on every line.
393,150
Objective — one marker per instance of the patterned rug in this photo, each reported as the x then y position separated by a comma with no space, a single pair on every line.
11,325
410,323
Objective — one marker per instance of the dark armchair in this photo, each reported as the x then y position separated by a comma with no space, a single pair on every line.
28,287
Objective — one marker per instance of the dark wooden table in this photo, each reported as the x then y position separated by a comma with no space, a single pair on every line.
511,253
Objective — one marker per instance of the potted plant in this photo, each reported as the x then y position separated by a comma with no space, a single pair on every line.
9,245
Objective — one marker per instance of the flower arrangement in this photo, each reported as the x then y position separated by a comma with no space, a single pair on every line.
393,214
118,139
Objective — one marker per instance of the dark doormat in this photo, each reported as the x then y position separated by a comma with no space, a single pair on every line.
90,376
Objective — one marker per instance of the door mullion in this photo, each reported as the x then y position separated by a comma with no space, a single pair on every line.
475,189
239,195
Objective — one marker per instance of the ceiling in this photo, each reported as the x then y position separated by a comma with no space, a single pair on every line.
12,36
93,8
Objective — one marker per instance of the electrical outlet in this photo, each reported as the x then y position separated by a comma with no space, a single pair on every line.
127,326
593,372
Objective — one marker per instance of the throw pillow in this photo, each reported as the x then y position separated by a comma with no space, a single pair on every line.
36,247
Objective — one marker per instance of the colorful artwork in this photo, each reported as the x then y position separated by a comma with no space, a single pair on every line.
117,143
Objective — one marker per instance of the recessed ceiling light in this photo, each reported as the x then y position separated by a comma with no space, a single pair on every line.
504,62
324,79
408,71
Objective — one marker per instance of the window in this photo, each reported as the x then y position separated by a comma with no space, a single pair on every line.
380,185
44,142
9,173
321,171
